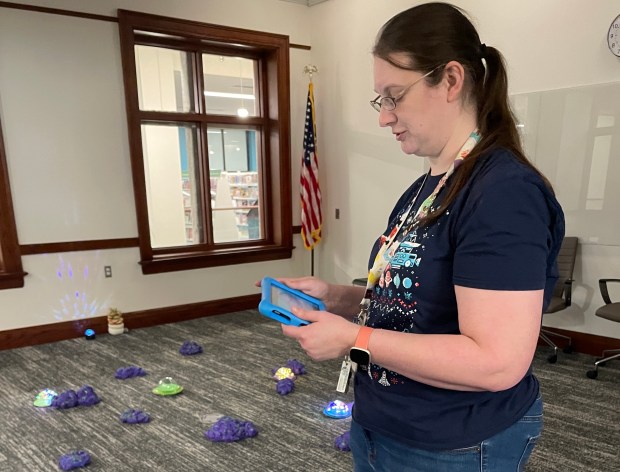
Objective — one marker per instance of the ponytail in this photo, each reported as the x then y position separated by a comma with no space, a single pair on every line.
497,125
437,33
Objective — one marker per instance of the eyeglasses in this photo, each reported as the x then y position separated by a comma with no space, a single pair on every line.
389,103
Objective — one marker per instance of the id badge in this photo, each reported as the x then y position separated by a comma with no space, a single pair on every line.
345,376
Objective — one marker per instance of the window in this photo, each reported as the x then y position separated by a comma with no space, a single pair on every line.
11,273
208,117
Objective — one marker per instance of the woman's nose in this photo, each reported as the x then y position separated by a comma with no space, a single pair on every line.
386,118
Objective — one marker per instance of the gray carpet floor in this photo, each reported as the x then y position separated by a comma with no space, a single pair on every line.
233,377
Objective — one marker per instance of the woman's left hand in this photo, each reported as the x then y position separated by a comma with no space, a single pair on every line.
328,336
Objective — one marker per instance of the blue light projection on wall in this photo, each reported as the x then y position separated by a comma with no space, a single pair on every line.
79,293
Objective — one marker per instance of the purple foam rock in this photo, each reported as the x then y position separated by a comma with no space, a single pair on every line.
228,429
132,416
65,400
74,460
86,396
285,386
129,372
343,442
190,348
297,367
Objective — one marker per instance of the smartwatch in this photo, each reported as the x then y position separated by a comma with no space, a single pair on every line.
359,353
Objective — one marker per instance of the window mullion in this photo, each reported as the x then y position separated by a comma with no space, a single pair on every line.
203,150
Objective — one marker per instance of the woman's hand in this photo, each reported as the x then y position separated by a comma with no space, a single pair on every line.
309,285
312,286
340,299
328,336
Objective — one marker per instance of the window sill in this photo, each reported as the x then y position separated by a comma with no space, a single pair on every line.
178,262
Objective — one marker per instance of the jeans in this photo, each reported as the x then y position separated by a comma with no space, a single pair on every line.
507,451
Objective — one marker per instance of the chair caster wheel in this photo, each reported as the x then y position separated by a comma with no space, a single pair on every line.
552,359
568,349
592,374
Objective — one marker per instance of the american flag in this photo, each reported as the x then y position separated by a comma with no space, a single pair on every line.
311,218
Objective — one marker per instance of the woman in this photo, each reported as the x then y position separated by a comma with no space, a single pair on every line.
459,279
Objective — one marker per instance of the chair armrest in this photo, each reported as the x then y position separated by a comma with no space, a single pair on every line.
568,291
361,281
602,284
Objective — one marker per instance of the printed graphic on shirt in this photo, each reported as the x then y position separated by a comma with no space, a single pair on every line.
393,302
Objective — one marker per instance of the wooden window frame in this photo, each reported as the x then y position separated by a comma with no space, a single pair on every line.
11,272
272,53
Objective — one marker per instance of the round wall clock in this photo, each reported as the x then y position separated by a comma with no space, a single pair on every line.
613,37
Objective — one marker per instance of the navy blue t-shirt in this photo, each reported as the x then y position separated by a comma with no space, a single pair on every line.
503,232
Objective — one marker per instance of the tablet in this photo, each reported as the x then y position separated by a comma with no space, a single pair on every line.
278,299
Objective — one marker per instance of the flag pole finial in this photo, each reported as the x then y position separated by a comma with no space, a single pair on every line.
310,69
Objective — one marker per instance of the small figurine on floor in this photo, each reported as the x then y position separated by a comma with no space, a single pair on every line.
280,373
343,442
338,409
45,398
85,396
297,367
167,386
285,386
132,416
65,400
74,460
190,348
89,334
228,429
129,372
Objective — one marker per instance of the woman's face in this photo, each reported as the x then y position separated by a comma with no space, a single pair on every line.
422,120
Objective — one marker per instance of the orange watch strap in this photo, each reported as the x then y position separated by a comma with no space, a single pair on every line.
363,336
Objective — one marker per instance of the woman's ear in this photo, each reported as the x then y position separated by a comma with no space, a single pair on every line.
454,74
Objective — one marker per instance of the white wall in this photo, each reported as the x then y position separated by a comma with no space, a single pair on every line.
362,168
63,115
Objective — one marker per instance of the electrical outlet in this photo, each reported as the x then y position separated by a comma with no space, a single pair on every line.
107,270
337,213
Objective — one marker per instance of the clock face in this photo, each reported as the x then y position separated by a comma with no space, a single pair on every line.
613,37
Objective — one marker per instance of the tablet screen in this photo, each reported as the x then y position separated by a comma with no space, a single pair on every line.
287,300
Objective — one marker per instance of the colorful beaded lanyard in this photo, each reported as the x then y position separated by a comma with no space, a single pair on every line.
389,244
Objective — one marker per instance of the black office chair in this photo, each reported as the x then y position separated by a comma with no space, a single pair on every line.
562,293
609,311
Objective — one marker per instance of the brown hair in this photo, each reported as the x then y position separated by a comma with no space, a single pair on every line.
433,34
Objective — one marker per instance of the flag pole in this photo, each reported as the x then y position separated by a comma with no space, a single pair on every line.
311,219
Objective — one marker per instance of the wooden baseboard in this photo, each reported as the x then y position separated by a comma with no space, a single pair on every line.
582,342
48,333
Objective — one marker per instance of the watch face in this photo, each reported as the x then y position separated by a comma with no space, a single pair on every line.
360,356
613,37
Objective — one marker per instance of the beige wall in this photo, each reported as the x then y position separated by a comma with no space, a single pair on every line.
63,117
548,45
